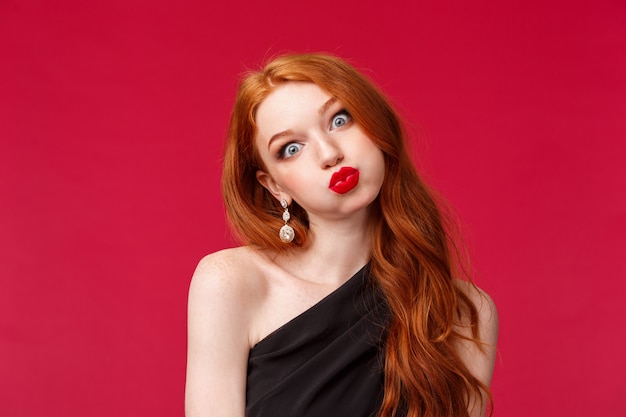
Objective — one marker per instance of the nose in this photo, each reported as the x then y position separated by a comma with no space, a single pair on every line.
330,152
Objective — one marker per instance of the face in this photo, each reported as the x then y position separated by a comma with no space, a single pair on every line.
315,154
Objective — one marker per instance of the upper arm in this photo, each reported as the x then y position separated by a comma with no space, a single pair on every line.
479,358
217,341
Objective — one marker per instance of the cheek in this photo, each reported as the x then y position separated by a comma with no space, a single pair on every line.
378,167
375,156
296,181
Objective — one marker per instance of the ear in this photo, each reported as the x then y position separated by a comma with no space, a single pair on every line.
272,186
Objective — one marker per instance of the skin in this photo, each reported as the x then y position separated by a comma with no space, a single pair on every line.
303,138
314,138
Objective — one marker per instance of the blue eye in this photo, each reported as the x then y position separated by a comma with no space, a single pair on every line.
340,119
289,150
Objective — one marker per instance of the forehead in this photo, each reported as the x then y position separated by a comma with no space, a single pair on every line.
288,105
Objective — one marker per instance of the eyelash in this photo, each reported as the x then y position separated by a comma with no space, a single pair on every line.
283,149
342,112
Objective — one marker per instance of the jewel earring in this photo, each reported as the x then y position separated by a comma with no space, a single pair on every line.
286,232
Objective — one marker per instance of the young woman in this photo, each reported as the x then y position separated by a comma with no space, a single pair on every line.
344,299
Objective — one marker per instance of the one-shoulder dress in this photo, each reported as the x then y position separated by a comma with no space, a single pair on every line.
326,362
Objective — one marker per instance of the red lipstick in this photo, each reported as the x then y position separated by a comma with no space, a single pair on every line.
344,180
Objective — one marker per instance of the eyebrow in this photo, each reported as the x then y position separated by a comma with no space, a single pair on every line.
326,105
288,132
278,136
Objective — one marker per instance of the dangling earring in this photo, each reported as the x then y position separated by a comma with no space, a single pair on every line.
286,232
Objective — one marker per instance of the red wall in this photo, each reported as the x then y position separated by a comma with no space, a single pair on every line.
112,116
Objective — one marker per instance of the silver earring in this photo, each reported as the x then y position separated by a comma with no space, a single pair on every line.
286,232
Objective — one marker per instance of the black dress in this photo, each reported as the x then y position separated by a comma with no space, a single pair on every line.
326,362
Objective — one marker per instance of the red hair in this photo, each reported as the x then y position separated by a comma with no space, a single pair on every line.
411,258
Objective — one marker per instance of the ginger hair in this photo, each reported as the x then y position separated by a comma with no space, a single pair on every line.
412,251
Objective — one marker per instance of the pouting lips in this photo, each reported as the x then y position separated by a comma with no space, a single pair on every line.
344,180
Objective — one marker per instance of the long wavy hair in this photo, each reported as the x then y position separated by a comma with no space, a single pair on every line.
412,252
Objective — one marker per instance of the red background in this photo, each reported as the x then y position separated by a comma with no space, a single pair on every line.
111,125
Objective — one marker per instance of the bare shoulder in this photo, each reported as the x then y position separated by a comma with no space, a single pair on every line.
479,358
486,309
227,285
229,274
220,309
224,263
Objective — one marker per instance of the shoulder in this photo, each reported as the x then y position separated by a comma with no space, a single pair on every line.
229,268
226,278
220,309
485,308
479,356
223,262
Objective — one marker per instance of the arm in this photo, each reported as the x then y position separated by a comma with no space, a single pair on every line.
479,359
217,341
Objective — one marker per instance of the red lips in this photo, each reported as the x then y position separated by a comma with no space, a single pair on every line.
344,180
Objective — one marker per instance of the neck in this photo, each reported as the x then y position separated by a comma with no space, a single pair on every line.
335,249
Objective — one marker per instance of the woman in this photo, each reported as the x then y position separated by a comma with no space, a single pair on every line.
343,300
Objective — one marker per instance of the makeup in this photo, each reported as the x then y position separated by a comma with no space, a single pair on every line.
344,180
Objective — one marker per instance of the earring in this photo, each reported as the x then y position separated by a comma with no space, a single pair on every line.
286,232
